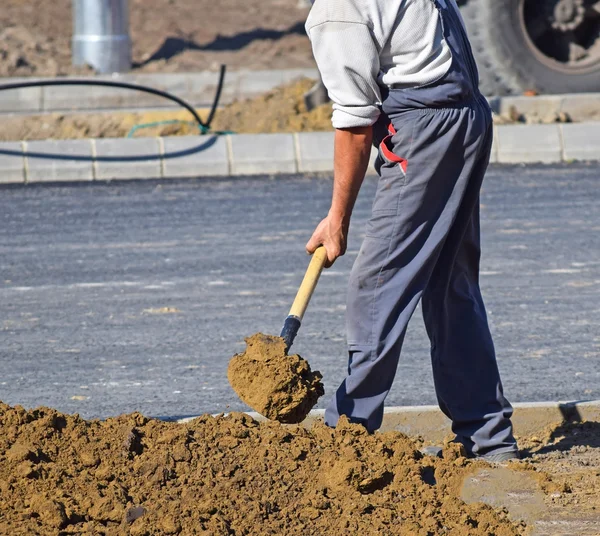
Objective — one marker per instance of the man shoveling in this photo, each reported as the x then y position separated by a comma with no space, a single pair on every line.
401,75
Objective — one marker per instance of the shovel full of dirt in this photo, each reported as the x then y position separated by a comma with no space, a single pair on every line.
278,385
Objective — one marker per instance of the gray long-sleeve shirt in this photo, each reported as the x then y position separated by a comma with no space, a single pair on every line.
360,45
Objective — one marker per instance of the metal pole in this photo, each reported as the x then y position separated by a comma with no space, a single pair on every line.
101,35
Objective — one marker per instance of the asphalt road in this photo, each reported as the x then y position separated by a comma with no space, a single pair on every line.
133,296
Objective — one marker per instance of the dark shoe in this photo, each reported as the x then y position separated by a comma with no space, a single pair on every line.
500,457
491,457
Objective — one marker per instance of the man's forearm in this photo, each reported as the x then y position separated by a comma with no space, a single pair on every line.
352,153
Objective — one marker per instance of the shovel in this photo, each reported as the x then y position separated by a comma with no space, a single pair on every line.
307,287
278,385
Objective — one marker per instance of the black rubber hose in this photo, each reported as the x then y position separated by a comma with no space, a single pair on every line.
127,85
217,97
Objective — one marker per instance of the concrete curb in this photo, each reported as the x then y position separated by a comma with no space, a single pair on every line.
196,88
248,154
199,89
578,106
429,422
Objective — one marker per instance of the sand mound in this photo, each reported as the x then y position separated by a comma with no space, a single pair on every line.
279,110
279,386
225,476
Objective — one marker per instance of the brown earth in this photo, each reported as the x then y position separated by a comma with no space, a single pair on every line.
167,36
279,386
570,455
279,110
227,475
230,475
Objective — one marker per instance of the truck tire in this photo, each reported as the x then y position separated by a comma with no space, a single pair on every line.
544,46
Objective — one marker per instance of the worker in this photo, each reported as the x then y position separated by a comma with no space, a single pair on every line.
401,75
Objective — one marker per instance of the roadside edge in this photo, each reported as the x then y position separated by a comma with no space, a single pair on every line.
250,154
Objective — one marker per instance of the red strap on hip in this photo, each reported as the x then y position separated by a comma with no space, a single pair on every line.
389,154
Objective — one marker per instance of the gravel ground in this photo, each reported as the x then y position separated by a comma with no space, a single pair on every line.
133,296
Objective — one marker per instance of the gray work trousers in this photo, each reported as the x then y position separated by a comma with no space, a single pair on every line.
423,243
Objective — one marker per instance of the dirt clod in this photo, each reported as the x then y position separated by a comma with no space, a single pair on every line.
275,480
279,386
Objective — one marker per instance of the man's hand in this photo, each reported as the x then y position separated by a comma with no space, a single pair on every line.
332,233
352,151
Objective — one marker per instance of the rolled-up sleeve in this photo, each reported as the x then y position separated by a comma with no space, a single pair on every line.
348,60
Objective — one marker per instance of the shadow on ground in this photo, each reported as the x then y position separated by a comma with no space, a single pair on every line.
573,432
173,46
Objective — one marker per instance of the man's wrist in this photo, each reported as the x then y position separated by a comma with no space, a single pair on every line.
340,215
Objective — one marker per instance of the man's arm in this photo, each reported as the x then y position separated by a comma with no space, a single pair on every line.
351,158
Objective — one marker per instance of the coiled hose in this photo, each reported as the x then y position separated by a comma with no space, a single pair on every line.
203,126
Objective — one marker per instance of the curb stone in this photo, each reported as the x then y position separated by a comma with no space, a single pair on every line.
114,159
580,141
248,154
12,162
578,106
196,88
431,424
529,143
183,157
58,160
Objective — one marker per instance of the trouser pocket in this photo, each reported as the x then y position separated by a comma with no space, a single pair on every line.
386,151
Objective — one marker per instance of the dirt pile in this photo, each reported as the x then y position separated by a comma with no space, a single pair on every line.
225,476
279,386
167,36
279,110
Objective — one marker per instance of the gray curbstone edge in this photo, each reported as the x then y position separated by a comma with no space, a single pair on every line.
12,162
529,143
248,154
59,160
196,88
263,153
578,106
580,141
114,159
431,424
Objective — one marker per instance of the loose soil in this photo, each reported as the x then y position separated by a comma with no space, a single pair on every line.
167,36
230,475
569,458
279,386
227,475
279,110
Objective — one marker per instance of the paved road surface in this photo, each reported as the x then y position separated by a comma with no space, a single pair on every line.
89,273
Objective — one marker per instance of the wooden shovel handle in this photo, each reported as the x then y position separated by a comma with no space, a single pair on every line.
309,283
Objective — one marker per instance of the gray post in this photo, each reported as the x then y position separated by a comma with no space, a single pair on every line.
101,35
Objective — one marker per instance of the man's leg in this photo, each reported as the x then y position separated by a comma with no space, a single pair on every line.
466,376
412,216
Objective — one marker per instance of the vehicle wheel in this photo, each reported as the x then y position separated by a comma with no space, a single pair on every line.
548,46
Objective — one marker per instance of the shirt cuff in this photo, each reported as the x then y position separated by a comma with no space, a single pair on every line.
354,116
